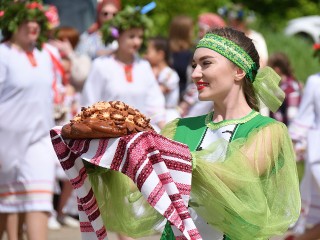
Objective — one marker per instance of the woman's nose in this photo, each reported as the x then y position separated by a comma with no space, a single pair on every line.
196,73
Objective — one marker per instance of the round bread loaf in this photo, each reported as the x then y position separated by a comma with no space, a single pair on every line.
106,120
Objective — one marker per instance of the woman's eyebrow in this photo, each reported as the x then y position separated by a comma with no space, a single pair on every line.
205,57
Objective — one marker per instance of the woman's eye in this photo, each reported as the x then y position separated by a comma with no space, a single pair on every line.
206,63
194,66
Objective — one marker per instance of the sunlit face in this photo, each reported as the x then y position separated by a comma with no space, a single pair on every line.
131,40
213,75
107,12
153,55
28,32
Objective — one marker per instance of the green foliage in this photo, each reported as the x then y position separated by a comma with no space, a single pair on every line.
299,51
167,9
276,13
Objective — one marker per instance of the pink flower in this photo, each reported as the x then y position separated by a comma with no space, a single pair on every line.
34,5
114,32
1,13
53,17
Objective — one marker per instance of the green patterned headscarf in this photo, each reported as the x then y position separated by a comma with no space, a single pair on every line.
230,50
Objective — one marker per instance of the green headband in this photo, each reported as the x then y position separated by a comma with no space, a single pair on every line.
230,50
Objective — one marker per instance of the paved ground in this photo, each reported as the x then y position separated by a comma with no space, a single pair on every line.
66,233
74,234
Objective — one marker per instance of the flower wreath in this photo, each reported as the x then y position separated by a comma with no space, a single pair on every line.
13,14
130,17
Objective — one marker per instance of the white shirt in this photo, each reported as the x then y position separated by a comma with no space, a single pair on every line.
107,82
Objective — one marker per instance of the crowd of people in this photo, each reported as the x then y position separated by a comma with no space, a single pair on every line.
217,90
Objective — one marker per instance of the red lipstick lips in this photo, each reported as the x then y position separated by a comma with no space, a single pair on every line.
201,85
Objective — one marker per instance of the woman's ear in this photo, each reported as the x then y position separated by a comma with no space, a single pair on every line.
240,74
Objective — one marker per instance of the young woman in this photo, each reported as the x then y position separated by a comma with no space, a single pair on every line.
244,180
124,76
27,159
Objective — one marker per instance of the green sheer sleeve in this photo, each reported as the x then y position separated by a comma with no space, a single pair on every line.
170,129
122,207
251,191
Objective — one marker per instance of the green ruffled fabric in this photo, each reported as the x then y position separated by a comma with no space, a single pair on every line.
252,192
122,207
266,86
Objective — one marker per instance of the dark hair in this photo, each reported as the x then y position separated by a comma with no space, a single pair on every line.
161,44
281,61
247,45
69,33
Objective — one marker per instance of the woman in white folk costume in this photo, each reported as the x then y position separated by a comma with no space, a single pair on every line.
305,133
244,179
124,76
27,159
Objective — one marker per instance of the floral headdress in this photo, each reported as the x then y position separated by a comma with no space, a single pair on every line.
316,49
12,14
130,17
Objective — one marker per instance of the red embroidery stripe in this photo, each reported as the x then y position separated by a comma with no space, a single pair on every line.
156,194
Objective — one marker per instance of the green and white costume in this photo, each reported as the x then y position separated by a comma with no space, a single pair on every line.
244,180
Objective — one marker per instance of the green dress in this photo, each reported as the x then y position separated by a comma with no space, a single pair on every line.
244,175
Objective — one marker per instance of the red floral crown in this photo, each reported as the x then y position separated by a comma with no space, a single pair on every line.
12,14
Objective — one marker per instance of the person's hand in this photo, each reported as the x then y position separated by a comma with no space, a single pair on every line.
183,108
103,52
63,46
161,124
300,150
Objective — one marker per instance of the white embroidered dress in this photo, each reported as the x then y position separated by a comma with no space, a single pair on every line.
27,158
305,128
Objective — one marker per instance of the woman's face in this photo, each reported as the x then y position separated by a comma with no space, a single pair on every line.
131,40
213,75
107,12
28,32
